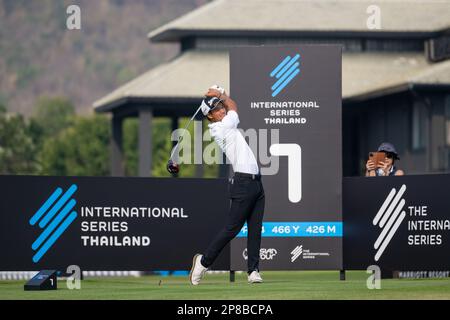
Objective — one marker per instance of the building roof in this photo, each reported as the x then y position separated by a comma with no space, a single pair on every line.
225,17
185,77
436,74
369,75
364,75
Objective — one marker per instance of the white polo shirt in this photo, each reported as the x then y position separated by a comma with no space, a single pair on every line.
233,144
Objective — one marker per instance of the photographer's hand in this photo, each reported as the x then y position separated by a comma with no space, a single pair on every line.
370,168
370,165
385,167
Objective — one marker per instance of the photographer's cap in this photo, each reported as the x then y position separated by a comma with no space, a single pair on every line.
388,147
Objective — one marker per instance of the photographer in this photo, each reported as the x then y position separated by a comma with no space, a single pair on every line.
387,167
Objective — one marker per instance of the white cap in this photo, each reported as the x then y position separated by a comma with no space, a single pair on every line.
210,102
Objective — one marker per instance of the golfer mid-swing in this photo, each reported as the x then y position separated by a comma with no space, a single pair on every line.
246,189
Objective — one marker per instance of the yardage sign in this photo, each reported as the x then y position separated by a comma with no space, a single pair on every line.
289,100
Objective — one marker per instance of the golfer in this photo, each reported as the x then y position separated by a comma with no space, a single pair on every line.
246,189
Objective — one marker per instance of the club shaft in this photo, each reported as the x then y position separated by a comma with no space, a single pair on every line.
182,134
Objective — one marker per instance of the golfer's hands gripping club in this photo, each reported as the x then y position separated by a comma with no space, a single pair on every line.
216,91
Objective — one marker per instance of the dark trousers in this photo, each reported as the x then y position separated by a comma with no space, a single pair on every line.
247,205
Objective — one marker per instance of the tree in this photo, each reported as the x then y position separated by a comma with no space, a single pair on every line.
17,150
50,116
80,150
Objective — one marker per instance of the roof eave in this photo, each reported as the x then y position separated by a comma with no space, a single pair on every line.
395,89
144,101
174,34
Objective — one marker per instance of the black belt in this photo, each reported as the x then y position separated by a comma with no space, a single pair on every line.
247,175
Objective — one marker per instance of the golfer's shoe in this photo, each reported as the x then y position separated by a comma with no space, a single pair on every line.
254,277
197,270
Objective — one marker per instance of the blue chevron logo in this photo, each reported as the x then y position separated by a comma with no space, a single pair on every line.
287,70
54,216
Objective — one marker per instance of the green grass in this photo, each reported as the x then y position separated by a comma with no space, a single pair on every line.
277,285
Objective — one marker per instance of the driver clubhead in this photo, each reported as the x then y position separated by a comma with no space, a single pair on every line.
173,167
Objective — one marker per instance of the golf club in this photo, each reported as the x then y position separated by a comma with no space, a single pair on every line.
172,166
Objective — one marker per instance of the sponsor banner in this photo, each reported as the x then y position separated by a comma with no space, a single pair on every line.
298,229
290,98
397,223
289,254
109,223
